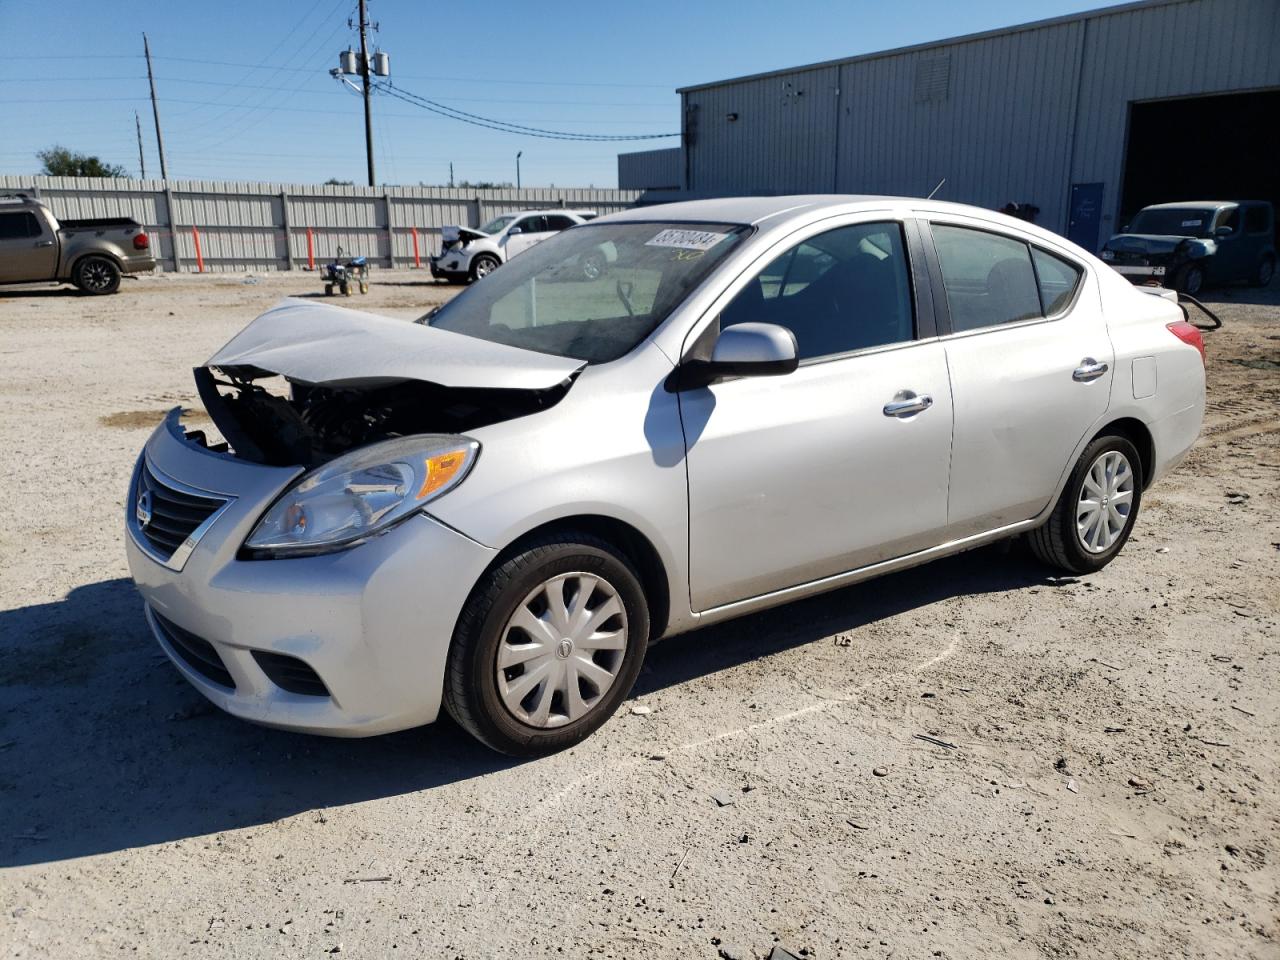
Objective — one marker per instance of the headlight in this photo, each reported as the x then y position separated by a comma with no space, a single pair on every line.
363,493
1108,255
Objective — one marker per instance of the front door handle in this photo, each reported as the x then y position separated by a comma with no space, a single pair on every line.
44,243
1089,369
906,403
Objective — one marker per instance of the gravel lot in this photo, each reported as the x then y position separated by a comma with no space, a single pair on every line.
1111,789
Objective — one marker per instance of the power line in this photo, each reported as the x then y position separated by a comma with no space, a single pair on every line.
506,127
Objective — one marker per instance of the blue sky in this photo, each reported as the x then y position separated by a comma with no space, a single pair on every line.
245,91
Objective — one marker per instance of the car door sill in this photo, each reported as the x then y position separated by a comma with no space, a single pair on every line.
849,577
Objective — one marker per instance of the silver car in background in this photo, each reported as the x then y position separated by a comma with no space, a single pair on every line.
498,508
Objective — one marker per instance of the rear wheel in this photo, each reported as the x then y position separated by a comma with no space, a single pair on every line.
364,286
1264,272
328,289
1096,512
344,288
547,647
97,275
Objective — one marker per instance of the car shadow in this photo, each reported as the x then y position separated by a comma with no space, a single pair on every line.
13,293
104,746
1268,296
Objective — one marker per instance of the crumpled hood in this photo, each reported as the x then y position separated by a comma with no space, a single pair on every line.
322,344
1151,243
454,234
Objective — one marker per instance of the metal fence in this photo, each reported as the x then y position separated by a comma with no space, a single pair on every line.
239,226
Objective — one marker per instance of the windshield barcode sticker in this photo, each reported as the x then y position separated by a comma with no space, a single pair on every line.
687,239
1192,223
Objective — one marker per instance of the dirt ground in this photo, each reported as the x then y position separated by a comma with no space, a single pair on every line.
1106,785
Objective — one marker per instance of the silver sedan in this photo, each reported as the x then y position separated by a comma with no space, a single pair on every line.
497,509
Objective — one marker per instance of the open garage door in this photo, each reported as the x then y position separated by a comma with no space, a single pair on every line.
1224,147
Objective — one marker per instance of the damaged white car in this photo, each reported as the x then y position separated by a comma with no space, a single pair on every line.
497,509
469,254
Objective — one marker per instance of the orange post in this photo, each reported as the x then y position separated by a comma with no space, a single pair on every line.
311,250
417,260
195,235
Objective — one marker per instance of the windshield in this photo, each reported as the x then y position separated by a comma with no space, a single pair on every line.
1173,222
497,224
593,292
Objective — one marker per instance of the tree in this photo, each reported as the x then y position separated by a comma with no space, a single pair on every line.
60,162
486,185
335,182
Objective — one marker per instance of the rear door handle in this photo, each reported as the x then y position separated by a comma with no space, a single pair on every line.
907,404
44,243
1089,369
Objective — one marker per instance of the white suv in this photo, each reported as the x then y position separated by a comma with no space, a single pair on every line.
471,254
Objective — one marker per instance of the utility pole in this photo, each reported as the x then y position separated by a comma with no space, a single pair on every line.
142,161
519,154
364,76
155,110
450,173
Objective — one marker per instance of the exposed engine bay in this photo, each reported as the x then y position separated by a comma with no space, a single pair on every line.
313,423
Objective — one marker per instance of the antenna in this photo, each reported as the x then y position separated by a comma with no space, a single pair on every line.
936,189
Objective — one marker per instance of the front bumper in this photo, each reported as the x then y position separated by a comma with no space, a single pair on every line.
373,622
450,266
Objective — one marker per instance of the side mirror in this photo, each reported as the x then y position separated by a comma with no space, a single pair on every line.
1223,232
1124,228
742,350
513,231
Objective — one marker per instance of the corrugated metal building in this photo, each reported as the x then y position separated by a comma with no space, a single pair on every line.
651,169
1087,117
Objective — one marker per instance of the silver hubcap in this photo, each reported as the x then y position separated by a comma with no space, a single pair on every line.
561,650
1106,502
483,268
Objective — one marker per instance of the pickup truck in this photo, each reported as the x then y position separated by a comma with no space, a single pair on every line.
93,254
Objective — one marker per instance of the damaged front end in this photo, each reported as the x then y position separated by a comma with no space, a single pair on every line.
304,384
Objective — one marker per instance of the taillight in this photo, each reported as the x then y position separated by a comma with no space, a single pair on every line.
1188,333
141,241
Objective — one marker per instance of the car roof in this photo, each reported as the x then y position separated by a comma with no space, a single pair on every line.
1182,204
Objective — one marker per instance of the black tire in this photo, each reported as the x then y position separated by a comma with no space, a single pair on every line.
1190,279
1058,543
97,276
364,286
471,692
344,288
490,263
328,289
1264,272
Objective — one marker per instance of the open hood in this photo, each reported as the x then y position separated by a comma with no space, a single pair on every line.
1144,242
321,344
454,233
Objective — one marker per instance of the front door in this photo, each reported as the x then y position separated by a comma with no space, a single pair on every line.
1030,360
839,464
28,251
532,229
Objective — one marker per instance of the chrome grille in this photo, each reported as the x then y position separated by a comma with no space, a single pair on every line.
168,517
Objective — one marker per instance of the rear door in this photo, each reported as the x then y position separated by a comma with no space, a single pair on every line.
841,463
28,249
1030,362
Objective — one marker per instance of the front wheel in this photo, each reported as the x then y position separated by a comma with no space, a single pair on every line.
1096,512
97,275
1190,280
483,265
547,646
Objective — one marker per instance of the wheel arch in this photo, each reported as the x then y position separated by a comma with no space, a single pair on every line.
85,255
1137,433
628,540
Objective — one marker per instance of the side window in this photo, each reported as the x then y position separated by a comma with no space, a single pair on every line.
844,290
1230,217
988,278
18,226
1058,280
1256,219
532,225
558,222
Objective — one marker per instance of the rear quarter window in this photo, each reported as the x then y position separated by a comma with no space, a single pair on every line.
1057,279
